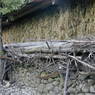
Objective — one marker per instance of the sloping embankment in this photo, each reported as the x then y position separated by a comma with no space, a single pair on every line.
54,23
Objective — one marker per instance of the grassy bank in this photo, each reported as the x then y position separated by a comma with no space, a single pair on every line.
54,23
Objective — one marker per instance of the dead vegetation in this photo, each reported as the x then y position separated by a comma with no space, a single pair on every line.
54,58
54,23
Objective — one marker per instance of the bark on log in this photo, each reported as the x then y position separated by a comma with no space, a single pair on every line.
55,46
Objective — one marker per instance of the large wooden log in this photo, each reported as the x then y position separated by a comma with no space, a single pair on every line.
53,46
55,49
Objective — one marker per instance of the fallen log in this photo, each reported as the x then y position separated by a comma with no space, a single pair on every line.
53,49
52,46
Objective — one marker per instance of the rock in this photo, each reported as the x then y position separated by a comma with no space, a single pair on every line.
41,88
85,88
78,89
57,79
52,93
45,91
81,94
33,85
1,93
91,82
60,94
92,89
36,85
89,94
44,81
71,90
28,91
49,86
71,94
15,93
30,85
6,84
57,90
50,80
94,86
80,86
56,83
36,93
82,77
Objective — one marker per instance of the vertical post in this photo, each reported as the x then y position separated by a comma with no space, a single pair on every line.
1,52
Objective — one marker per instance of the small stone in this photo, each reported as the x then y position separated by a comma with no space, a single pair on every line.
71,90
55,83
49,87
50,80
92,89
51,93
72,94
78,89
38,81
80,86
25,92
89,94
37,93
94,86
60,94
91,82
45,91
41,87
33,85
81,94
47,94
85,88
82,77
57,79
15,93
57,90
44,81
34,92
7,84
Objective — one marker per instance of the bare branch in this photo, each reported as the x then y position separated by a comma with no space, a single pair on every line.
66,79
82,62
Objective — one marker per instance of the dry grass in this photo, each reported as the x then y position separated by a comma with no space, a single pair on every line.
53,24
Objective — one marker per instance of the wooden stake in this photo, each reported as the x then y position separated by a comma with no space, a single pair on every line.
66,79
1,52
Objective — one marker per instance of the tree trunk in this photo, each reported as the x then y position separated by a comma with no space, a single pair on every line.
1,53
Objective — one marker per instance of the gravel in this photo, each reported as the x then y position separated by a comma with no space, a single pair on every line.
27,83
92,89
85,88
49,87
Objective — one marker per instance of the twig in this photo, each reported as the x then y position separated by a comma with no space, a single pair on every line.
48,45
66,79
4,57
87,73
82,62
